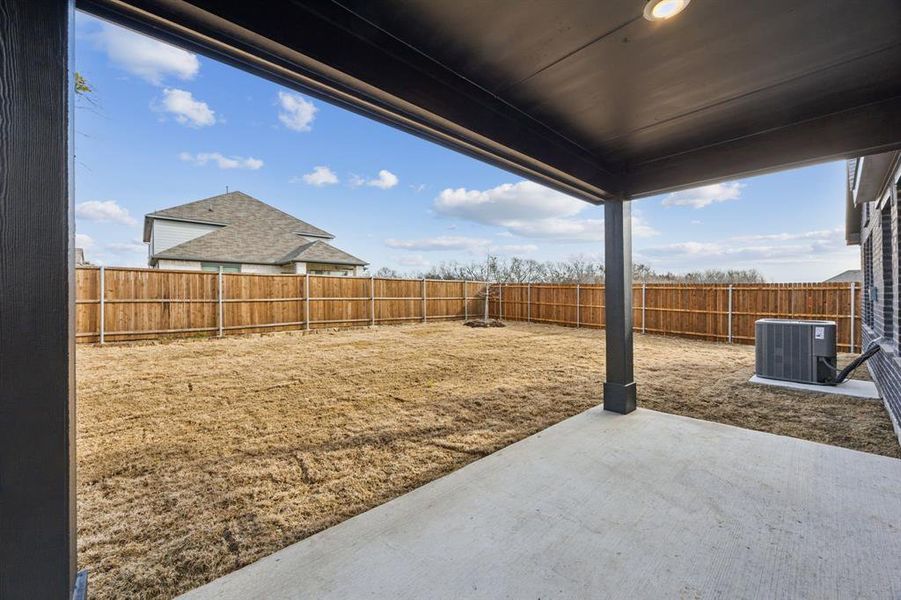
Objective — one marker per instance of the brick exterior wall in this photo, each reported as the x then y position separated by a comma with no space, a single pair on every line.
880,264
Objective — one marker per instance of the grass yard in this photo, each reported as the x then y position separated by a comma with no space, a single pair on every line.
198,457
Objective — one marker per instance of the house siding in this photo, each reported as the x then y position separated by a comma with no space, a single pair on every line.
195,265
184,265
168,234
882,276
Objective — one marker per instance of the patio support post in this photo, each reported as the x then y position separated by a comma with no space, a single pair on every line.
619,389
37,283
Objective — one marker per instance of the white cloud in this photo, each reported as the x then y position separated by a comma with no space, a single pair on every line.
469,245
145,57
296,112
104,212
320,176
515,249
132,247
355,181
808,255
418,188
440,243
385,180
531,210
413,260
186,109
706,195
223,162
83,240
508,202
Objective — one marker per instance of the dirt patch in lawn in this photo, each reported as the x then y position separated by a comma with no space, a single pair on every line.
198,457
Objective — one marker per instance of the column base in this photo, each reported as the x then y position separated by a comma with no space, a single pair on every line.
620,397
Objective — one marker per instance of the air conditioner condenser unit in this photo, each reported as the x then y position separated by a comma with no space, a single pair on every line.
793,350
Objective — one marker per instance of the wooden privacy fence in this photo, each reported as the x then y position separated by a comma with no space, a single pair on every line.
724,313
122,304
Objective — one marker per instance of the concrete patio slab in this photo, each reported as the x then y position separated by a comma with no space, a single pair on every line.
852,387
647,505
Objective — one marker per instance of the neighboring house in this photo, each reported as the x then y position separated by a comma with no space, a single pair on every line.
849,276
872,222
238,233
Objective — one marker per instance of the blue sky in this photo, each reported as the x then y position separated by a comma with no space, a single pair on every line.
170,127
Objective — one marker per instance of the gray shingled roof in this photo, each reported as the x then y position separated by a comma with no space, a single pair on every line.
253,232
235,208
323,252
846,276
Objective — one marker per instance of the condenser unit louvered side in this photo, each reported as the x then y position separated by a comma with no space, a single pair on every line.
791,350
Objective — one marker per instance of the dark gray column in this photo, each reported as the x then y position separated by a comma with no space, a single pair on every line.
37,474
619,389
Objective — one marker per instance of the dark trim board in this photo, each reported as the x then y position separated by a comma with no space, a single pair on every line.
860,131
37,455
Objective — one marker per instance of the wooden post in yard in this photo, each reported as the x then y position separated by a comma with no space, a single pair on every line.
529,302
465,303
487,293
644,296
730,314
578,305
371,301
306,301
102,304
220,315
424,309
500,302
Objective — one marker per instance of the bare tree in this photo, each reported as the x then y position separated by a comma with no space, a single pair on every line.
577,269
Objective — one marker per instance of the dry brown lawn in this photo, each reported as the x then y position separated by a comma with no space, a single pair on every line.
198,457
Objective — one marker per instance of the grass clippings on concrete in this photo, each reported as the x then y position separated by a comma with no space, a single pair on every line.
198,457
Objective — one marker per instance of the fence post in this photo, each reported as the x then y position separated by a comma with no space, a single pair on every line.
424,305
306,301
465,304
578,305
219,313
102,304
644,289
500,302
371,301
730,313
853,311
487,293
529,302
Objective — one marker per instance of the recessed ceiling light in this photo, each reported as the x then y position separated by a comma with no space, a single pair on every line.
660,10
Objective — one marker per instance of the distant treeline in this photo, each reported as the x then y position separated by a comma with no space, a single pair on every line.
574,270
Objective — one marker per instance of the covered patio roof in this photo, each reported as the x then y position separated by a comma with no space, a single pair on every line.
586,96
